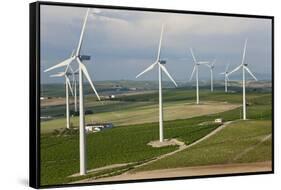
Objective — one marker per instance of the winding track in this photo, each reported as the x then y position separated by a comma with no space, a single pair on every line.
183,146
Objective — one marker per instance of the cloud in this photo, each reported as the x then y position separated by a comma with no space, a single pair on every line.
129,39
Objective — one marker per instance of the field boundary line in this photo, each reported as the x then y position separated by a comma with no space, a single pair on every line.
252,147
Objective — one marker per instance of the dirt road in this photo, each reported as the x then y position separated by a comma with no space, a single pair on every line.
192,171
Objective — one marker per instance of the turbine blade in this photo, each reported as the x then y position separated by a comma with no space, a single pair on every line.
168,74
69,85
57,75
73,75
82,33
60,74
61,64
84,70
222,73
160,42
244,51
66,69
71,70
236,69
247,69
72,53
226,67
203,62
147,69
194,59
192,72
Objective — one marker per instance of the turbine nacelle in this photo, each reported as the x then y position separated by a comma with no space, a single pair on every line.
78,58
159,62
75,56
68,74
243,65
202,63
85,57
198,63
161,68
162,62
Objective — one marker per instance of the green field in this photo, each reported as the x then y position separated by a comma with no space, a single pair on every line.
229,145
128,144
145,114
56,92
136,109
60,155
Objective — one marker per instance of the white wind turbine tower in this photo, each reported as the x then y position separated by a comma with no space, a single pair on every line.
160,63
226,79
196,68
74,84
211,67
74,79
65,74
244,66
82,72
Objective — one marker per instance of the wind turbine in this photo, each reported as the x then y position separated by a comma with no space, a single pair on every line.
244,66
65,74
196,68
74,86
211,67
82,72
160,63
226,79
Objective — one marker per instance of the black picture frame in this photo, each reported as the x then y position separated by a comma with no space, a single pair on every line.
34,83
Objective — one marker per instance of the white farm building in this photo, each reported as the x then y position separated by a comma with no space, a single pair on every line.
95,127
219,120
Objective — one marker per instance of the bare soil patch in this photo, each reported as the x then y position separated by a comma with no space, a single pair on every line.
166,142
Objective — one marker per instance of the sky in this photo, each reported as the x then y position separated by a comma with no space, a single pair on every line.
123,43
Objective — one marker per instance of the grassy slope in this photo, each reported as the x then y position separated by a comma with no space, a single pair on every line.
123,144
59,155
224,147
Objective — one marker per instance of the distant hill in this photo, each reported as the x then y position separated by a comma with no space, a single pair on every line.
106,88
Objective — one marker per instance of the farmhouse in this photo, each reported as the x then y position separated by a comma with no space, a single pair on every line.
95,127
